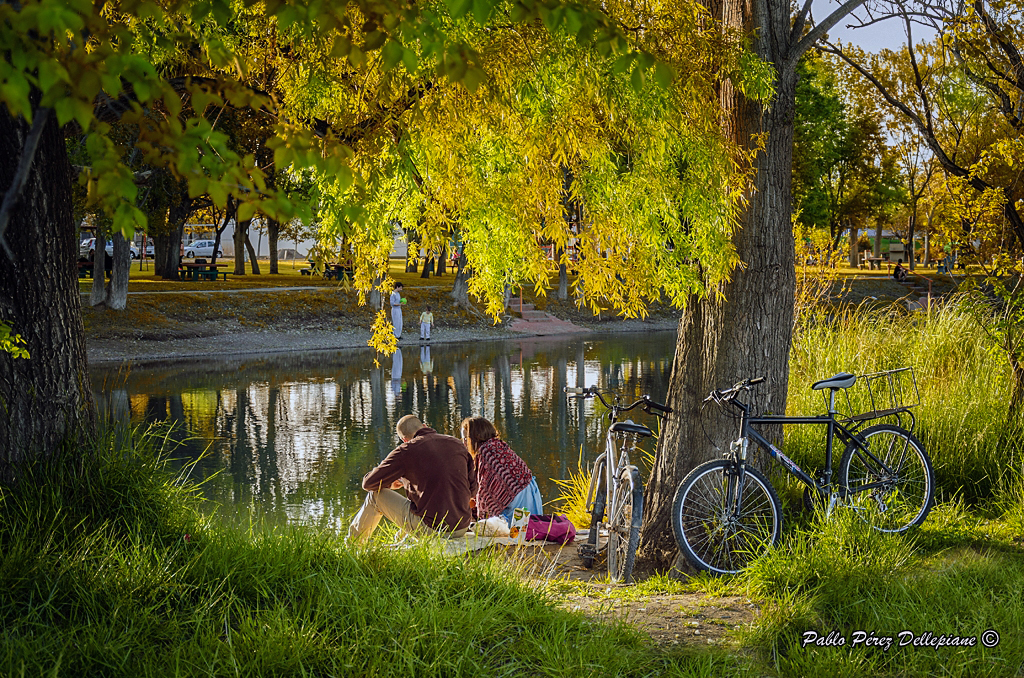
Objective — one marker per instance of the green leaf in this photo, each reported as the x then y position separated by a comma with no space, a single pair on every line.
459,8
637,79
391,54
473,78
356,57
410,60
341,48
373,40
663,75
481,10
622,64
246,210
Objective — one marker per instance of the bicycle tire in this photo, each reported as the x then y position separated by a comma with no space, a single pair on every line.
596,516
709,540
903,501
624,527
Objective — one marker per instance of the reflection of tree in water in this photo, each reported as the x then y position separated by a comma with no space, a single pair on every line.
295,433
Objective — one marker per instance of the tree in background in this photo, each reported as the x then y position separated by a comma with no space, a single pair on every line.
843,174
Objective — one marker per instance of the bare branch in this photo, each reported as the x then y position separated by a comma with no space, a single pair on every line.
820,30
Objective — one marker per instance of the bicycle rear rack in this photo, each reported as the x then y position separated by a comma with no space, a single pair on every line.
889,393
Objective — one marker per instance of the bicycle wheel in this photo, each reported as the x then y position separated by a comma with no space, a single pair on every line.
624,526
896,494
712,531
589,550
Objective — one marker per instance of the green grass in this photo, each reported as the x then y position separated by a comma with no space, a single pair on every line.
964,386
108,566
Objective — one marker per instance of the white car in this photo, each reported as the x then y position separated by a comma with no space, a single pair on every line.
87,249
201,248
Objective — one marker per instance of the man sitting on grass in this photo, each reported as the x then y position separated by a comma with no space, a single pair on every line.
437,474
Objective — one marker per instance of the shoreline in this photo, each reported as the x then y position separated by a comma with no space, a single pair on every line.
214,339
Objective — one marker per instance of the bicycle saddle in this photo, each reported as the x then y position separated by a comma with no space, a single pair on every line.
630,427
841,380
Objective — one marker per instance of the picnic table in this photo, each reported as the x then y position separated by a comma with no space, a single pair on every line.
85,269
202,271
874,262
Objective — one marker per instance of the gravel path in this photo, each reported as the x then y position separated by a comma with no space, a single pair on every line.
221,339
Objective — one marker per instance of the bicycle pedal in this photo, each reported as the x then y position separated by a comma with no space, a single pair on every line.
587,550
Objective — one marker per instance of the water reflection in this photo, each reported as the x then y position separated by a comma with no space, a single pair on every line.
293,434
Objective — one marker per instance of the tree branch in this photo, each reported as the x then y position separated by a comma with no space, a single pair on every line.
28,155
820,30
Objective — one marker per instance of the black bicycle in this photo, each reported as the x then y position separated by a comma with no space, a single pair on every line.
616,488
726,512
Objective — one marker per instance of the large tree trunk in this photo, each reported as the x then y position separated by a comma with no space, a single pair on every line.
45,400
273,230
748,333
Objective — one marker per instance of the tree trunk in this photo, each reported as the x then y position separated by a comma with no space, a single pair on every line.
240,239
167,252
98,292
45,400
442,261
167,248
877,250
749,332
460,288
563,282
229,213
854,251
273,230
253,262
117,288
1017,390
911,264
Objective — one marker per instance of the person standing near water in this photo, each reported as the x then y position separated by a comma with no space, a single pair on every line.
426,320
396,310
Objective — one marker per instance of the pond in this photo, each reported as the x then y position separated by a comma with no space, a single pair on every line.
288,437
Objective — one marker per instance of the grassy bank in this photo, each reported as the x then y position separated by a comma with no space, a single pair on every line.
964,386
108,567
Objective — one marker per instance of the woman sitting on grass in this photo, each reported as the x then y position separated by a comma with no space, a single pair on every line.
503,478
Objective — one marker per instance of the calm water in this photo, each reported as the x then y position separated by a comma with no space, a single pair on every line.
291,435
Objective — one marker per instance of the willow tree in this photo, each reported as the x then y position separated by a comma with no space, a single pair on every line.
657,182
79,66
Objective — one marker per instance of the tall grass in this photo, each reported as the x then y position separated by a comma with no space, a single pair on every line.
964,386
108,566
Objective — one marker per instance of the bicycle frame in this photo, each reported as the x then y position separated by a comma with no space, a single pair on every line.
834,429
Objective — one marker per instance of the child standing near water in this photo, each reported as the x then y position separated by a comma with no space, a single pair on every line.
426,320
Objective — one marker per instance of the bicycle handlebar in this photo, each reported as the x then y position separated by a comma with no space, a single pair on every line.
591,392
730,394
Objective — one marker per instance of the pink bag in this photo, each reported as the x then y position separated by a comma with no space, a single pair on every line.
555,528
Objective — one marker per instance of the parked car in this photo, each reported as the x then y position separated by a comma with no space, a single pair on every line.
201,248
87,248
149,251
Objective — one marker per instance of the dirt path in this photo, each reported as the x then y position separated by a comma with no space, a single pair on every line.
695,619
